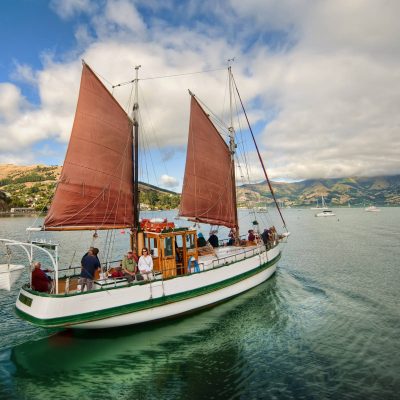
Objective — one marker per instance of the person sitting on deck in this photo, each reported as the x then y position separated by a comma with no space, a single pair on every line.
201,242
117,271
265,236
213,239
41,282
193,265
90,264
252,236
129,266
145,264
231,235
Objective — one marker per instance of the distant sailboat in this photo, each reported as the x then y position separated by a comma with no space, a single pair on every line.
325,211
323,206
372,209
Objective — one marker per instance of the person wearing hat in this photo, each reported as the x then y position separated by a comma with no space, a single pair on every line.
201,242
129,266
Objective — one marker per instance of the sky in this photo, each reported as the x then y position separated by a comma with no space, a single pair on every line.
319,78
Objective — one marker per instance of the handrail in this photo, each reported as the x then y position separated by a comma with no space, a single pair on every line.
24,246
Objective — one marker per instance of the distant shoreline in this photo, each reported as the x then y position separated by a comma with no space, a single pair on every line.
20,214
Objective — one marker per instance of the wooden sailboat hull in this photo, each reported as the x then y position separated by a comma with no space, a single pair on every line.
146,302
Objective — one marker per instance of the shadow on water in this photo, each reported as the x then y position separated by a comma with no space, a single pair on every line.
161,360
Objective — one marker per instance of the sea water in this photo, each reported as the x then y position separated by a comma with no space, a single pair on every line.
326,326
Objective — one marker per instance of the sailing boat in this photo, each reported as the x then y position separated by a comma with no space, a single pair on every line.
372,209
323,205
325,211
98,189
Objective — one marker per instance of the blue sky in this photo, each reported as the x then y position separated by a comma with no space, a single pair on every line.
319,78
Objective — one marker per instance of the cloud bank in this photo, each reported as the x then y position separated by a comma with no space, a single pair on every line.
319,79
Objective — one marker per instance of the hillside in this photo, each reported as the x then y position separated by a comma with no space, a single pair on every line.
380,191
33,186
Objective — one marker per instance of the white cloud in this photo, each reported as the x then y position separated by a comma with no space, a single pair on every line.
325,103
124,15
11,101
24,73
169,181
68,8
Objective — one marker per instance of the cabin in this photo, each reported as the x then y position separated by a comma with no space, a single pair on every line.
171,250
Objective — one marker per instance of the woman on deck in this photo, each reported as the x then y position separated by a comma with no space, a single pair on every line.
145,264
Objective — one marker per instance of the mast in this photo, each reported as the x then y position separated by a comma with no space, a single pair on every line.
135,164
232,148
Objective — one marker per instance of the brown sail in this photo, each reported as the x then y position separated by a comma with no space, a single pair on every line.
208,186
96,186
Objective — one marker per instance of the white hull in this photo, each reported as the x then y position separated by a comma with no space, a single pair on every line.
9,274
141,303
372,209
325,214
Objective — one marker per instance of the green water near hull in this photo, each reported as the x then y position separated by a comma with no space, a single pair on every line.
324,327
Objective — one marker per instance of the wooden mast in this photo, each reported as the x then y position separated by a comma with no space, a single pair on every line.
232,148
135,164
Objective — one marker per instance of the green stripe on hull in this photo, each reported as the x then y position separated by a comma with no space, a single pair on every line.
135,307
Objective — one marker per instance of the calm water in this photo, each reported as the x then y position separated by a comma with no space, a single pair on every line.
326,326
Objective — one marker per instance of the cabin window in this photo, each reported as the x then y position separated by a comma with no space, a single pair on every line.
179,241
153,247
190,241
168,249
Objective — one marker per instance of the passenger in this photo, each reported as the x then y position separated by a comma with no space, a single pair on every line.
265,236
273,235
193,265
213,239
178,253
232,237
96,252
129,266
41,282
91,248
90,264
201,242
117,273
251,237
145,264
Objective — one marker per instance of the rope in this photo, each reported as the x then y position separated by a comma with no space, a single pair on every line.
259,156
168,76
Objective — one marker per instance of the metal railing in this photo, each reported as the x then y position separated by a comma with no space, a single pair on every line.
74,272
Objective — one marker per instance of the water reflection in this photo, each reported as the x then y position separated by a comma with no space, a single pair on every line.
175,359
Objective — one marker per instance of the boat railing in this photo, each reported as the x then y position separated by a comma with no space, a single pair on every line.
233,258
202,265
224,242
76,270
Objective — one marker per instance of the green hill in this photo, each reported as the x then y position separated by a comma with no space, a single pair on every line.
380,191
33,186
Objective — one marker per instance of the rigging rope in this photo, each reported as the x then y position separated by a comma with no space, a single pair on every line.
259,156
168,76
